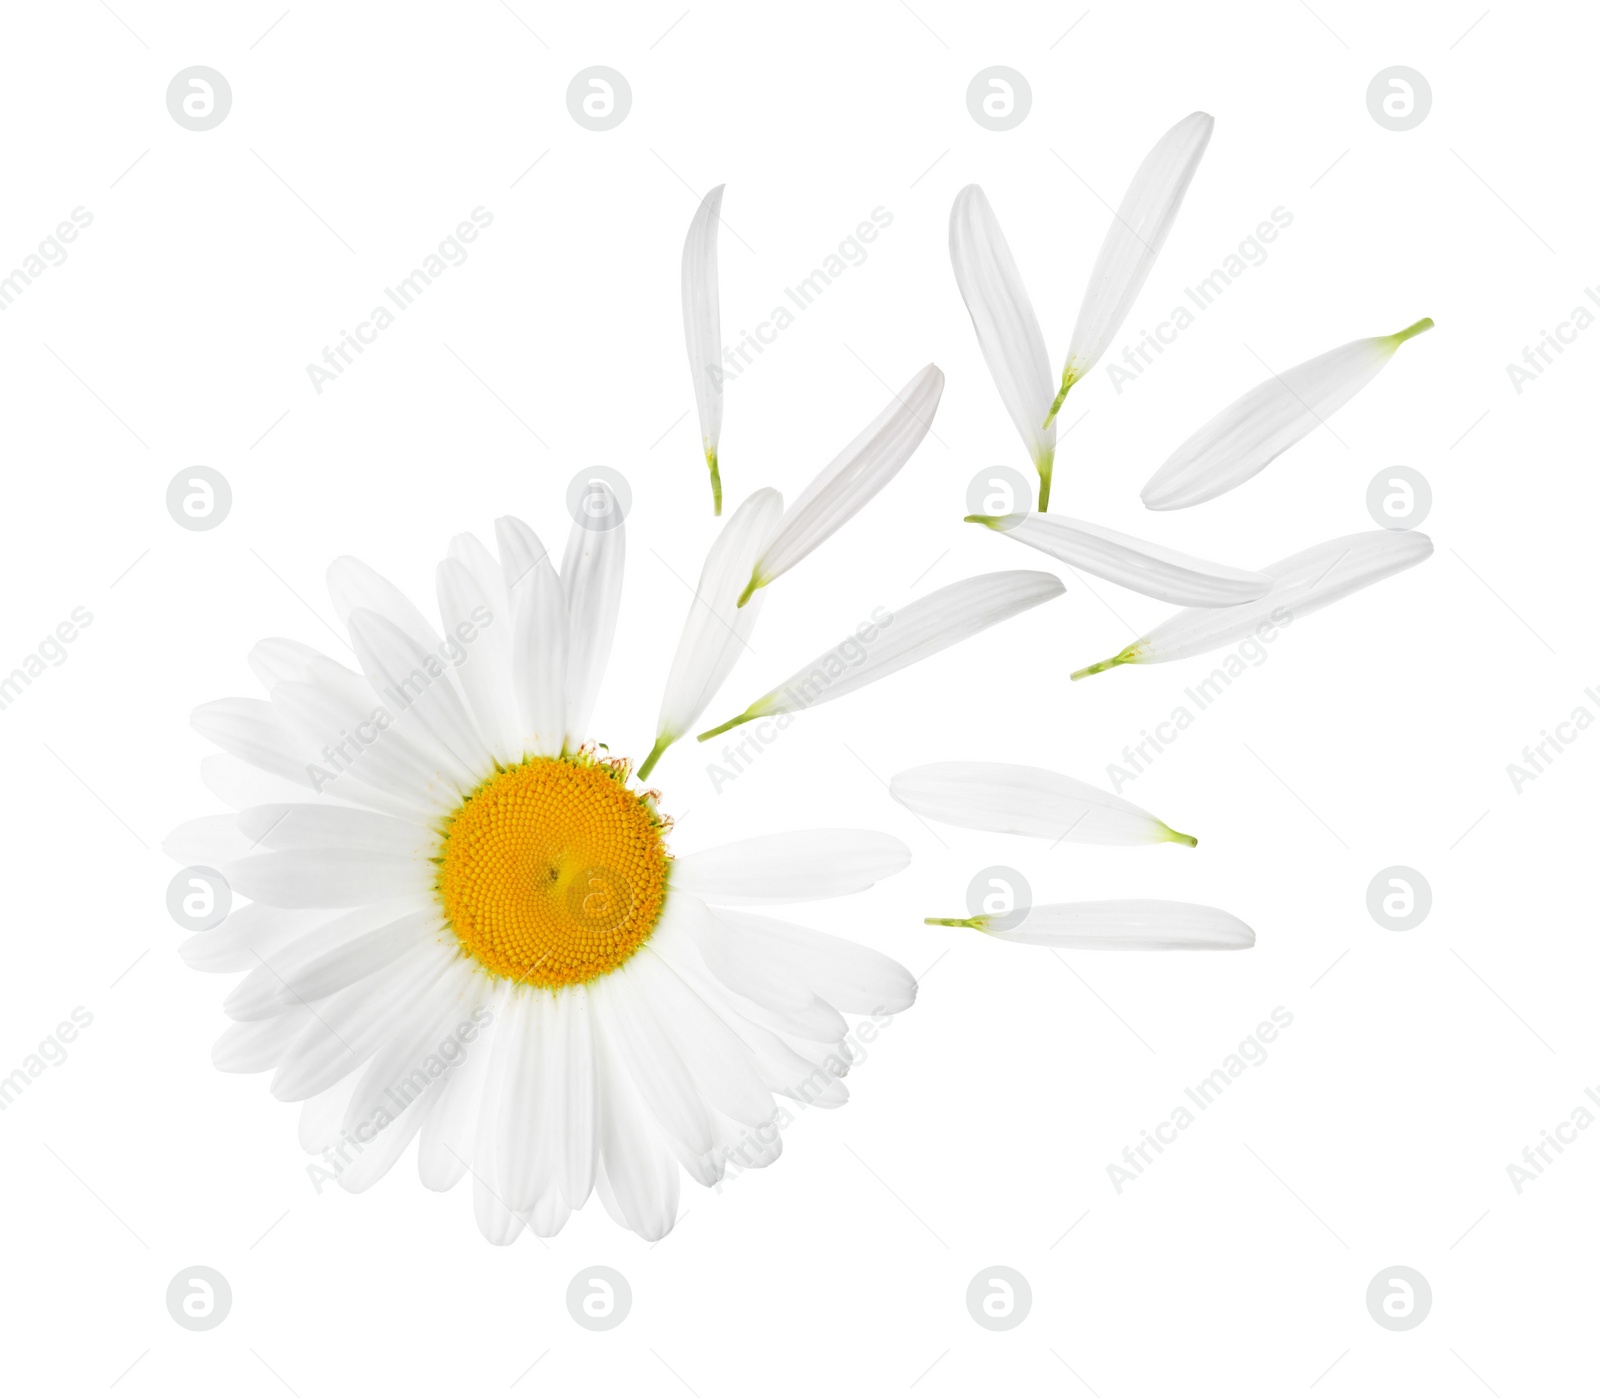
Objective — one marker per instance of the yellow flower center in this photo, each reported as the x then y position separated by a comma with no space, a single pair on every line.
553,872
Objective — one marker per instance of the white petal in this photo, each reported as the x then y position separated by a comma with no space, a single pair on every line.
354,586
591,577
1144,567
1138,229
1302,584
411,678
320,966
328,878
248,933
348,1028
253,1046
295,826
795,867
721,1067
481,654
387,1145
717,630
358,749
853,477
702,327
252,730
1268,420
1014,800
538,638
1002,314
448,1135
1133,924
741,964
209,840
638,1179
923,628
576,1111
276,659
647,1050
851,977
237,783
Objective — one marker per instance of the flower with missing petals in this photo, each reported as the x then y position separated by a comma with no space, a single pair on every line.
465,927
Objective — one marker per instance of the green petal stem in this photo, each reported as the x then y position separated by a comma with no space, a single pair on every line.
745,717
1401,336
1068,378
716,483
1126,657
975,923
648,765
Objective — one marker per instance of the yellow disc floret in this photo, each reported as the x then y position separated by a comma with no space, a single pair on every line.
553,872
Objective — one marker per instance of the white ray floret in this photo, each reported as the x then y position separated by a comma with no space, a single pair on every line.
1246,435
1126,924
702,330
1136,564
1138,229
1302,584
923,628
852,478
1016,800
717,630
1007,328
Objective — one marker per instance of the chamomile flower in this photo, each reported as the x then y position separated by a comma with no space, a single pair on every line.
468,925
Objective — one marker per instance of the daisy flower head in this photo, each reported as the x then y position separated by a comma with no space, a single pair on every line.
469,924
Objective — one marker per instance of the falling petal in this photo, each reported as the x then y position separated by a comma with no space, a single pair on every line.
1008,330
1132,563
1014,800
852,478
702,329
1128,924
1302,584
717,630
1138,229
1268,420
920,629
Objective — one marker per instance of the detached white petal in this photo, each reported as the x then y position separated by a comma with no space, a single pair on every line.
591,578
1014,800
1133,563
794,867
1268,420
1138,229
1008,330
702,328
852,478
1128,924
1301,585
925,627
717,630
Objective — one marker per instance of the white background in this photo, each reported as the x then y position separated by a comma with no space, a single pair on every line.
1419,1064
